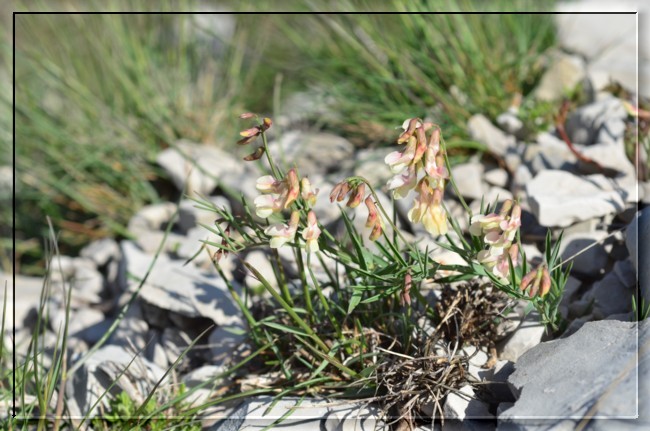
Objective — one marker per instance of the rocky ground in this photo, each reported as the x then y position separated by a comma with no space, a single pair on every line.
591,370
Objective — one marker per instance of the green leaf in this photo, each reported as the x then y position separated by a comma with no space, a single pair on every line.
355,299
285,328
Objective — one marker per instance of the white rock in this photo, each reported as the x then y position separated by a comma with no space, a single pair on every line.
152,217
197,169
313,153
468,178
583,34
101,251
526,336
550,152
261,262
482,130
223,344
594,372
370,165
339,415
88,324
203,381
497,177
465,406
558,198
598,122
563,74
132,330
101,369
592,259
25,303
613,293
510,122
183,290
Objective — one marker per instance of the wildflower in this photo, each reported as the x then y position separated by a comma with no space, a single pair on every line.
373,214
279,194
265,205
537,281
403,183
293,188
373,219
398,161
357,196
311,233
281,233
249,135
268,184
376,231
256,155
427,209
409,127
306,192
339,191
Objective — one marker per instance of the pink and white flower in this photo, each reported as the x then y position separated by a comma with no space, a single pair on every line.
427,209
311,233
403,183
282,233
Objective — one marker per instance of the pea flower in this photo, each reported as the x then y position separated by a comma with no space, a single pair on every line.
282,233
403,183
311,233
428,210
373,220
278,194
306,192
498,231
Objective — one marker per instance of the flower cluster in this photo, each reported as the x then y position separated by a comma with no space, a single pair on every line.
278,195
498,231
420,166
537,281
357,192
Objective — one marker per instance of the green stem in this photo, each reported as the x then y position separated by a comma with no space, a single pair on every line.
274,169
303,281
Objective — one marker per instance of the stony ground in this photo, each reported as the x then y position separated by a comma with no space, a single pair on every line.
589,370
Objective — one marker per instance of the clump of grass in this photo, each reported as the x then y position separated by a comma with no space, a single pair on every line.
447,66
97,98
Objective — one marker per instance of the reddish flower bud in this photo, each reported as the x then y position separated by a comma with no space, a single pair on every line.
357,196
247,115
294,188
546,283
373,215
256,155
253,131
376,232
345,189
246,141
266,123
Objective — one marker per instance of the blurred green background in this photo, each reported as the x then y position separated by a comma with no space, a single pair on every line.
99,96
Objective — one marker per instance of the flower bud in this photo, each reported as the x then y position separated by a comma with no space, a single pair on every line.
255,155
357,196
266,123
294,187
546,283
253,131
373,215
376,232
247,115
